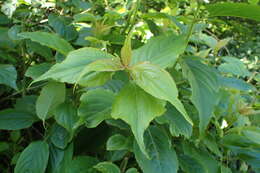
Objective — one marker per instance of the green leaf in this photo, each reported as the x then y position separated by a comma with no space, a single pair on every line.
11,119
132,170
8,75
209,163
84,17
71,68
234,66
95,79
178,125
33,159
50,40
162,51
66,115
138,109
37,70
190,165
95,106
255,2
119,142
242,10
59,136
82,164
51,96
205,86
163,157
107,167
4,146
62,26
235,83
39,49
159,83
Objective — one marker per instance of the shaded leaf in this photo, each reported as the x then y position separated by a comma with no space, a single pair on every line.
107,167
8,75
51,96
163,158
11,119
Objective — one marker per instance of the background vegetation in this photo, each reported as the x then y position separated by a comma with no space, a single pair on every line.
153,86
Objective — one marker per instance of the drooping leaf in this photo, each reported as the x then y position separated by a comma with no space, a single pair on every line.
242,10
11,119
107,167
71,68
138,109
205,85
178,124
51,96
163,158
33,159
39,49
159,83
66,115
162,51
95,106
8,75
50,40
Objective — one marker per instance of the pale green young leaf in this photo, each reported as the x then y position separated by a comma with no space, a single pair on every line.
126,51
51,96
163,158
8,75
205,86
95,106
50,40
33,159
159,83
11,119
71,68
138,109
162,51
107,167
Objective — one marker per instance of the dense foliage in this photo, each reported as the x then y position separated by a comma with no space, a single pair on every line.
153,86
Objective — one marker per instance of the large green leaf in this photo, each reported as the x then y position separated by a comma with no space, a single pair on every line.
51,96
138,109
178,125
163,158
243,10
11,119
59,136
8,75
66,116
72,67
204,84
162,50
107,167
33,159
159,83
37,70
48,39
95,106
